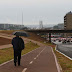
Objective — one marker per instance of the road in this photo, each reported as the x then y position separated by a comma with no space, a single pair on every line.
64,48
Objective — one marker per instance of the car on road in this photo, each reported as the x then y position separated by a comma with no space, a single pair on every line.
63,41
59,40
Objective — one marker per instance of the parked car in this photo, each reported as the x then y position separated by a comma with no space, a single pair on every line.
59,40
64,41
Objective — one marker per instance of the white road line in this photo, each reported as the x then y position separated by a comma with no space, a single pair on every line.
40,53
57,65
22,56
6,62
24,70
34,58
37,56
31,62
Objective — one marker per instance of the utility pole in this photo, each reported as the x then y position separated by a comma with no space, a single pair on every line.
22,18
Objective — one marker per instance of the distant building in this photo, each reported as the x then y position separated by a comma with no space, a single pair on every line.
41,24
11,26
61,26
55,27
68,21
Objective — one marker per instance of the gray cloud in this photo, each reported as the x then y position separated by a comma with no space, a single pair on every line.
49,11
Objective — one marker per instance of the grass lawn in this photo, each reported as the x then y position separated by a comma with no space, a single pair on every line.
7,54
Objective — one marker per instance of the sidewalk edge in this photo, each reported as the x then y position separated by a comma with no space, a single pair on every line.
59,69
13,59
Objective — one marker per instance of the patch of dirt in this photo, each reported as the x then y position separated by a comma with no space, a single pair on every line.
4,41
36,37
9,31
33,36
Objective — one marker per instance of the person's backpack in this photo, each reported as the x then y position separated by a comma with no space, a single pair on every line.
21,44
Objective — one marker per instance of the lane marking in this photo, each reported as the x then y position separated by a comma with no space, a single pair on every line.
24,70
34,58
57,65
31,62
37,55
40,53
22,56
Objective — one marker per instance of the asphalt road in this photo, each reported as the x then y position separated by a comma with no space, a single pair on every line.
64,48
39,60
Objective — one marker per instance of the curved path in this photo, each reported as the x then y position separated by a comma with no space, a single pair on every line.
41,59
26,40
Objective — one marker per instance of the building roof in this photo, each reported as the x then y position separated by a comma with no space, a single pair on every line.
69,12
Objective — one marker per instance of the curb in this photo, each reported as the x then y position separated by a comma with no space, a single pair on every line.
56,61
21,56
63,53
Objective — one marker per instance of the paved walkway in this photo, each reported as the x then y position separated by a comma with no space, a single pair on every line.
39,60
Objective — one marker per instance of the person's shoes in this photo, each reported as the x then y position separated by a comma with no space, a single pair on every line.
15,63
18,64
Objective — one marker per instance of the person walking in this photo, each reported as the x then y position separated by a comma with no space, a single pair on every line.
18,46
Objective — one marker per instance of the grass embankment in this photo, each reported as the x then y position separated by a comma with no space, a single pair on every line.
7,54
65,63
4,41
32,36
8,31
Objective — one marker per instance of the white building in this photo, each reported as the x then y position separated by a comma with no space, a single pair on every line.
11,26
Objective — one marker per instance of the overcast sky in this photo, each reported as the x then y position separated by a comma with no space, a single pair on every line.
49,11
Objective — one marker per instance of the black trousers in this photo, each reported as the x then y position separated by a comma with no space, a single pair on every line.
17,56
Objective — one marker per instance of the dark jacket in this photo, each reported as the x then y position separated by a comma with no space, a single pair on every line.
18,43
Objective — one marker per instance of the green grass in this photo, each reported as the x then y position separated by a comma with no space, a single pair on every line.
7,54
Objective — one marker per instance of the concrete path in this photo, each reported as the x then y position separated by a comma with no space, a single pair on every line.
39,60
5,46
